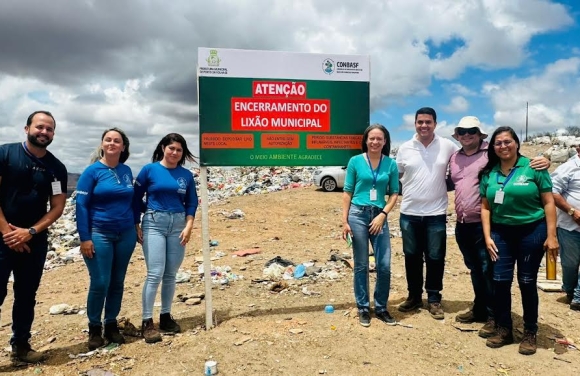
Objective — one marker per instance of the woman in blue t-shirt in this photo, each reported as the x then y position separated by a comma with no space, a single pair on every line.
370,177
105,223
171,202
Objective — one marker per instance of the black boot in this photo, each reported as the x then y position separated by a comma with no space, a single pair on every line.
167,323
112,333
95,337
24,353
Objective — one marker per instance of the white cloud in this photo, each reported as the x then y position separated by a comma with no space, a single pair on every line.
456,88
458,104
133,65
552,95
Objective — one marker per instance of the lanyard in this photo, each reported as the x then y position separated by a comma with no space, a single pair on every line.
375,172
504,183
37,160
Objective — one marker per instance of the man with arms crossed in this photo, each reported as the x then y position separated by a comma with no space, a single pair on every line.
30,176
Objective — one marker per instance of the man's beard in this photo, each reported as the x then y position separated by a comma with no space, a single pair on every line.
34,141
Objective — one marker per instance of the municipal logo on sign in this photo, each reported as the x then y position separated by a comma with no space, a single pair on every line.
213,59
328,66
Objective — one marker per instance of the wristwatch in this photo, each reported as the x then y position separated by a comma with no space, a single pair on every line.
571,211
32,231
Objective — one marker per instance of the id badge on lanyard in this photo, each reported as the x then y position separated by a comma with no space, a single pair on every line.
499,195
373,192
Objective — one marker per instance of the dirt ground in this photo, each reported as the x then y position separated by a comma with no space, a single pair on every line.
260,332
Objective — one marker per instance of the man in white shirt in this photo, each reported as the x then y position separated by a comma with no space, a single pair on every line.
422,163
566,189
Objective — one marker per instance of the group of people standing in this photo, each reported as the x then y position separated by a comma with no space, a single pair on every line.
113,213
505,203
506,214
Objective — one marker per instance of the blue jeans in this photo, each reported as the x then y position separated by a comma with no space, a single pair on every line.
163,255
424,236
570,255
107,270
469,237
27,269
359,219
523,244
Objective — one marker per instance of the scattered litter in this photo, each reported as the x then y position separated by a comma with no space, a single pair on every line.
222,275
213,243
567,342
463,328
99,372
299,271
280,261
128,328
405,325
307,292
278,286
64,309
237,213
274,271
242,341
562,360
182,277
246,252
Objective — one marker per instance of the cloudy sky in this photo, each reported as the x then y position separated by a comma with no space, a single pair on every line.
132,63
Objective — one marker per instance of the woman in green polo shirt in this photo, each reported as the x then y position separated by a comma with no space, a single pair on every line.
519,222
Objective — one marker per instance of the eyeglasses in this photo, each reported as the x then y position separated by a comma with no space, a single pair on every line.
464,131
498,144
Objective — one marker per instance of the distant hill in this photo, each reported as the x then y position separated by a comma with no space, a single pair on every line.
73,178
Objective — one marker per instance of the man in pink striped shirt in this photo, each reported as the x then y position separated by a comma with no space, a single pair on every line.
464,167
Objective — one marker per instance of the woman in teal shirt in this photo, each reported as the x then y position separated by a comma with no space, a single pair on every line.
370,177
518,215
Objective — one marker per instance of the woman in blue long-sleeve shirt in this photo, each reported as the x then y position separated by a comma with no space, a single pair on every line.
171,202
105,223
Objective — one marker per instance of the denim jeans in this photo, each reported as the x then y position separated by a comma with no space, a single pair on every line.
469,237
27,269
163,255
359,219
424,236
107,270
523,244
570,255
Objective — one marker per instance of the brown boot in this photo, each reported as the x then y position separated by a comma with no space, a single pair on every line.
149,332
412,303
95,337
470,317
528,345
24,353
112,333
488,330
503,336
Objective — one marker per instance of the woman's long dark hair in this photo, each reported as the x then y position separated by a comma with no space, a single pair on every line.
492,157
386,148
168,140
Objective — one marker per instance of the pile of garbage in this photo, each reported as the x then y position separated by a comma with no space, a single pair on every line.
278,269
220,275
222,183
226,182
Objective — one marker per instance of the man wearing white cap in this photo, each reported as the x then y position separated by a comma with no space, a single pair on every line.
464,167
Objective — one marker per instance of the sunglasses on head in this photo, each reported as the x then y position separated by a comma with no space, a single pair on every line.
464,131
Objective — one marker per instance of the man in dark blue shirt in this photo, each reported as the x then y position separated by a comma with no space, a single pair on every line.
30,177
